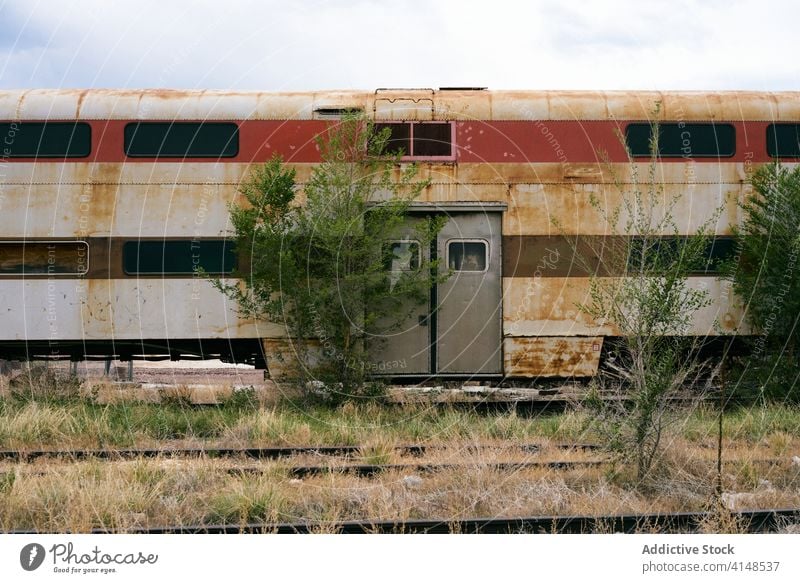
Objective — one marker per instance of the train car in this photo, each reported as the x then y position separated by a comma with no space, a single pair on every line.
111,200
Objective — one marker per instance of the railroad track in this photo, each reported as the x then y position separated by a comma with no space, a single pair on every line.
370,470
261,452
751,521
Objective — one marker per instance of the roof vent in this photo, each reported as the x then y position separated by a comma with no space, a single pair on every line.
337,111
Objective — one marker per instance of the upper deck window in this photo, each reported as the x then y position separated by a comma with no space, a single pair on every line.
419,139
783,140
49,139
182,140
683,140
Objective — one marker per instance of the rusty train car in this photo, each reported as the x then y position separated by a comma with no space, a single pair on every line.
111,200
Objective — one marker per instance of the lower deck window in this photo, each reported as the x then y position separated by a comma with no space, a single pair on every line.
653,254
178,257
44,257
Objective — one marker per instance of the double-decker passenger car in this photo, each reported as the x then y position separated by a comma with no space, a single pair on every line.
111,200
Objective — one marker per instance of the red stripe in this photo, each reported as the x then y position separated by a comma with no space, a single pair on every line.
574,142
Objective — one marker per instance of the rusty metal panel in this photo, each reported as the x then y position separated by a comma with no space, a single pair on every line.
98,309
552,356
572,173
451,192
107,104
48,104
553,209
399,104
463,105
624,105
39,309
725,315
51,211
787,106
95,210
183,210
161,308
9,104
539,306
465,173
196,106
526,105
542,306
284,106
577,105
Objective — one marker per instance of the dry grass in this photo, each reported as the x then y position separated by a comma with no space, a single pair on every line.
62,495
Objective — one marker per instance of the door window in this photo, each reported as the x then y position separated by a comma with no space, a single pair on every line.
467,255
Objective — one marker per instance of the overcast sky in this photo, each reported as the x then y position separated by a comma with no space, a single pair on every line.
365,44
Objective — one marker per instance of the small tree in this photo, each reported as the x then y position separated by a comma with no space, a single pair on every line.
318,266
767,277
649,301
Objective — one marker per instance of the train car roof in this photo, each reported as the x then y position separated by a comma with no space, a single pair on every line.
398,104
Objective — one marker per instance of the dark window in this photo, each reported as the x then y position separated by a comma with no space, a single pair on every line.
183,256
45,139
401,256
432,139
783,140
466,255
181,140
680,140
51,258
660,252
419,140
399,137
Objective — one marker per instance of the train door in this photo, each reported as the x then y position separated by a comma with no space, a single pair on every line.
469,314
403,350
458,331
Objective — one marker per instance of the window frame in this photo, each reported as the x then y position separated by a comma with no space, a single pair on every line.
486,255
172,123
411,123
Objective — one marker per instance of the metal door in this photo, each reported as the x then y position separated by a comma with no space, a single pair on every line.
469,313
404,349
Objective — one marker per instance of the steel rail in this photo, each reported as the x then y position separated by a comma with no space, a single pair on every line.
263,452
751,521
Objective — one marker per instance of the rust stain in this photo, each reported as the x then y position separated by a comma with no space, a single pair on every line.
552,356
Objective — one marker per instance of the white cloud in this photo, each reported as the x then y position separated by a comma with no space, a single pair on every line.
365,44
